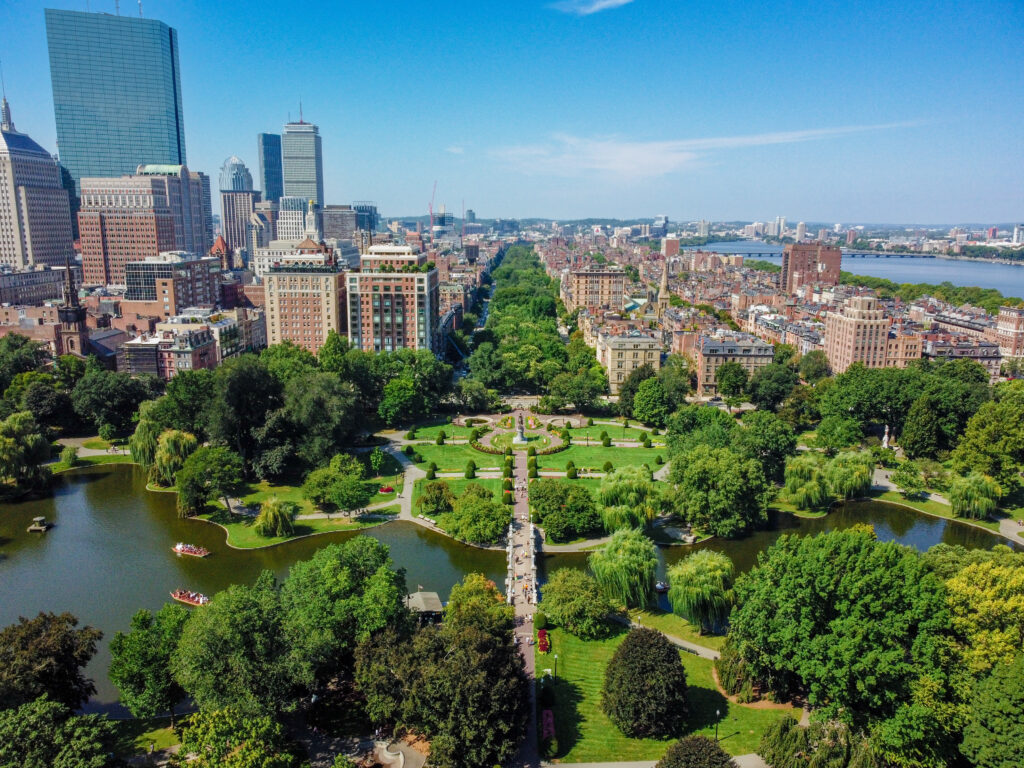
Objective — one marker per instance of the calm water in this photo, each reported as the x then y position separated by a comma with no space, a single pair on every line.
1008,279
110,553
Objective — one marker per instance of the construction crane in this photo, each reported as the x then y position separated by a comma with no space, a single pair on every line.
463,221
431,209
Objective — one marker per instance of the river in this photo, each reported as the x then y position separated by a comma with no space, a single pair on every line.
109,553
1008,279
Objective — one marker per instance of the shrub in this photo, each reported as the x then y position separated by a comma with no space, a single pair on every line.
508,452
655,431
411,434
540,620
658,459
508,499
417,457
107,432
507,471
440,438
570,465
531,451
69,455
532,471
590,422
643,437
431,472
506,484
470,469
549,747
608,466
696,752
606,441
408,450
647,443
571,473
644,691
531,461
604,434
625,423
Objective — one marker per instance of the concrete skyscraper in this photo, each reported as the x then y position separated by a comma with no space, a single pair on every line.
35,216
237,205
271,175
302,162
116,93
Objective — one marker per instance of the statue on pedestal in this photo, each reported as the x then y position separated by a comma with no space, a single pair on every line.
520,438
885,438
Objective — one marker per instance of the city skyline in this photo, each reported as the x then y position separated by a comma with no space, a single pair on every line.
828,114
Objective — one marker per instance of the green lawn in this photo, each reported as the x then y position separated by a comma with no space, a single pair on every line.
585,734
242,535
88,461
451,430
596,456
615,433
133,737
932,508
254,494
458,485
450,458
677,626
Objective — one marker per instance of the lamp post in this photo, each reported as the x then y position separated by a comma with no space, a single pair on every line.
556,665
718,714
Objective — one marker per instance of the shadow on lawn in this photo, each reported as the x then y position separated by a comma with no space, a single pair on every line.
703,704
564,698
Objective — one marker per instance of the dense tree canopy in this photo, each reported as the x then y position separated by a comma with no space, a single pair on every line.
140,661
45,734
696,752
720,492
700,589
625,566
994,737
573,600
234,738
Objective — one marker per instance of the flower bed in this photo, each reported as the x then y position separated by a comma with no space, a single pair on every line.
543,641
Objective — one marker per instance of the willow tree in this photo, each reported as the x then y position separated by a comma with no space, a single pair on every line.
974,496
143,441
806,487
849,474
172,449
625,566
275,518
700,589
631,499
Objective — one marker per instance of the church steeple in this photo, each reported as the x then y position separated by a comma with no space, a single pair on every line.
70,294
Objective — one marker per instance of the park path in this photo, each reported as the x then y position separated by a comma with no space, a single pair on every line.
741,761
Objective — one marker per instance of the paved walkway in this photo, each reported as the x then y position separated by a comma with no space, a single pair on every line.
741,761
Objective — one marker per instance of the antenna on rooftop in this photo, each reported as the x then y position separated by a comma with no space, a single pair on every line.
300,110
117,7
140,9
3,85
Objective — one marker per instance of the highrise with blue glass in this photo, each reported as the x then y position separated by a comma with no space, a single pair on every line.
116,93
271,175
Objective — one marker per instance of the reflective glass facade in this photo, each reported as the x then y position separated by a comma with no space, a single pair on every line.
302,162
271,179
116,93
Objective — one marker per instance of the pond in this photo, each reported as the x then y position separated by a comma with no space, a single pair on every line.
109,553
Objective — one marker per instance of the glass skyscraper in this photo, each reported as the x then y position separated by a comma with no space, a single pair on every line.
271,177
302,162
116,93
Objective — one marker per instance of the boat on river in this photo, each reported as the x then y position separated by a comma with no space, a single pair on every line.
190,549
39,525
190,598
660,586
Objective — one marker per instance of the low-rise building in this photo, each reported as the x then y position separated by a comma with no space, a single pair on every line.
1010,331
166,353
985,353
163,285
622,354
712,352
34,286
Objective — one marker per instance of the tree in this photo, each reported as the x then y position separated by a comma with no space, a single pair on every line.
677,379
696,752
835,433
68,369
377,458
43,733
700,589
630,498
342,596
800,410
786,744
50,407
323,412
233,738
720,492
287,361
849,475
339,485
436,498
19,354
575,515
207,474
806,486
574,601
245,391
767,439
644,692
24,452
476,602
630,386
974,496
140,661
731,379
45,656
476,518
624,567
994,736
993,441
235,651
276,518
186,400
859,637
922,433
143,442
907,477
770,385
814,366
650,405
104,397
401,401
172,449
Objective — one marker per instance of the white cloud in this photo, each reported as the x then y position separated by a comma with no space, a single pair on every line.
566,155
455,150
587,7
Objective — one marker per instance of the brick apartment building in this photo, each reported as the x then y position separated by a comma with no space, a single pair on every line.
808,264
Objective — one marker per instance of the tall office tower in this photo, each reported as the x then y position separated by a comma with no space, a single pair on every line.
471,216
391,303
340,222
806,264
35,217
159,208
235,177
1018,234
271,178
116,93
851,236
291,218
703,228
302,162
801,232
781,221
368,218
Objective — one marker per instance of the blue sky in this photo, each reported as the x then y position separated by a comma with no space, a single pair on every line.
818,111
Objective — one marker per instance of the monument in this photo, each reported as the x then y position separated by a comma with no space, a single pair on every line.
520,438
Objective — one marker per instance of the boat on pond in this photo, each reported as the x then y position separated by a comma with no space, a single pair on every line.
190,598
192,550
661,586
39,525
